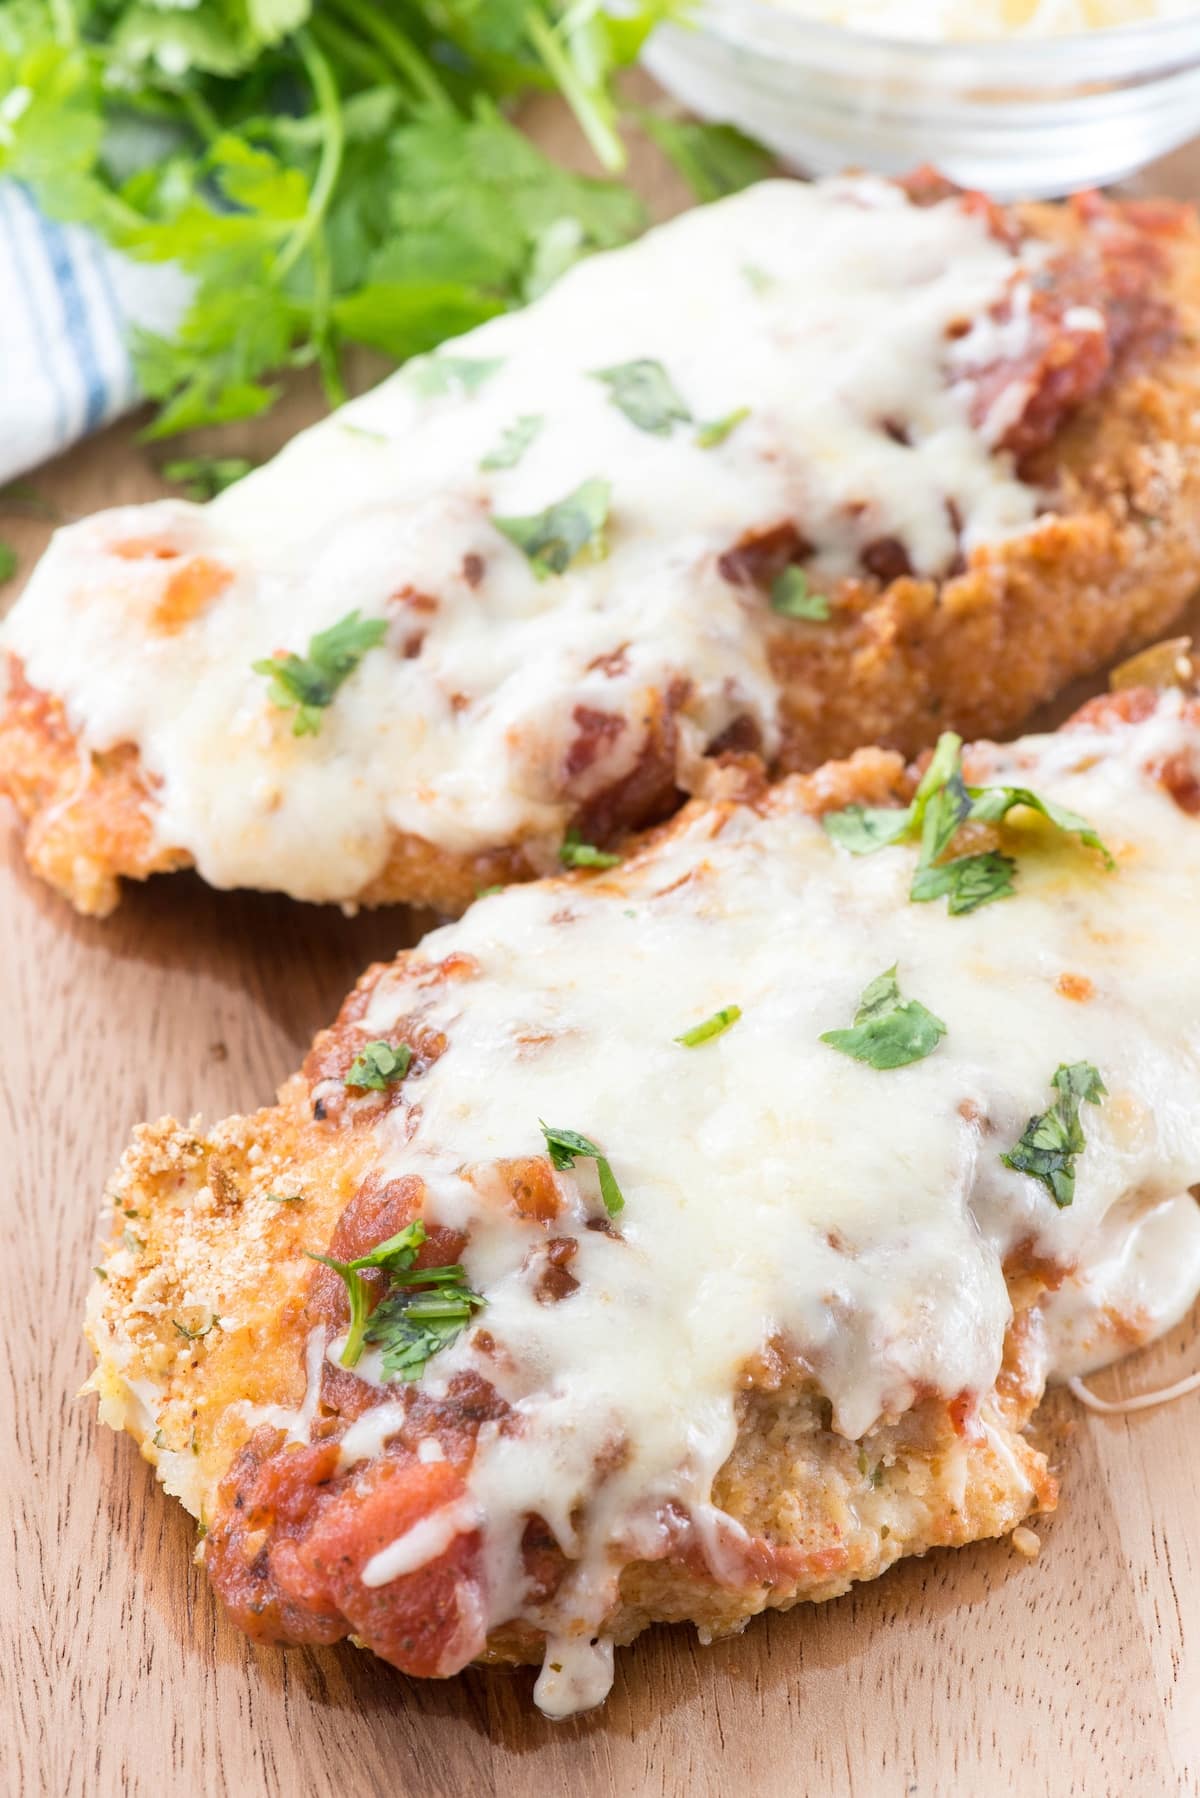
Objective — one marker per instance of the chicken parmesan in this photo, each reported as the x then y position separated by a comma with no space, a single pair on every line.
693,1236
817,466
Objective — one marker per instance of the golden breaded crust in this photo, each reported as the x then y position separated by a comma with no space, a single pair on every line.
898,661
208,1299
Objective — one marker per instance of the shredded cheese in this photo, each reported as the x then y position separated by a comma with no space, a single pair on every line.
1142,1401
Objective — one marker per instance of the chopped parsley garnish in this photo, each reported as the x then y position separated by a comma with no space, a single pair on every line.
969,881
327,172
941,804
487,892
990,805
792,598
432,375
888,1031
514,441
554,538
307,684
573,853
566,1145
717,1025
203,477
194,1335
423,1313
285,1198
8,561
379,1065
718,429
645,394
1052,1139
410,1327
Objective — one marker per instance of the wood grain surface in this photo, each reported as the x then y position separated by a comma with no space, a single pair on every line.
973,1672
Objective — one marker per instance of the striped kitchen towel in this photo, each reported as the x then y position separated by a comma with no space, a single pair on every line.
66,306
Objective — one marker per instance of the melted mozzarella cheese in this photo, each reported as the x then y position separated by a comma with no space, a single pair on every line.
831,312
1140,1278
778,1191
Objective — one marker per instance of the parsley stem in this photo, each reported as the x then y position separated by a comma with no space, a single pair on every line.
352,1349
403,52
327,355
66,29
585,105
339,41
333,143
202,118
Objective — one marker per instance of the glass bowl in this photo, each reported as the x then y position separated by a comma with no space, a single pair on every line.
1030,117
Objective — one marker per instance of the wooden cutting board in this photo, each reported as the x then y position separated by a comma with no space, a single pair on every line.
970,1674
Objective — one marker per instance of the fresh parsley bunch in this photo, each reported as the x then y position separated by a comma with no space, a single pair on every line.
327,171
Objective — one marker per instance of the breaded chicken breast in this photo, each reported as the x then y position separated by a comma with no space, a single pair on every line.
695,1236
818,466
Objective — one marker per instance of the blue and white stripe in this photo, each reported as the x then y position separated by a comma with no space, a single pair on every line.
66,305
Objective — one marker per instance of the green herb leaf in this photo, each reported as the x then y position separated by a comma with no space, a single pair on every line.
790,597
554,538
717,1025
566,1145
862,829
308,684
989,805
441,1291
434,375
8,561
708,436
888,1031
941,804
285,1198
322,173
203,477
714,160
644,393
573,853
379,1065
1052,1139
411,1327
969,880
514,441
194,1335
